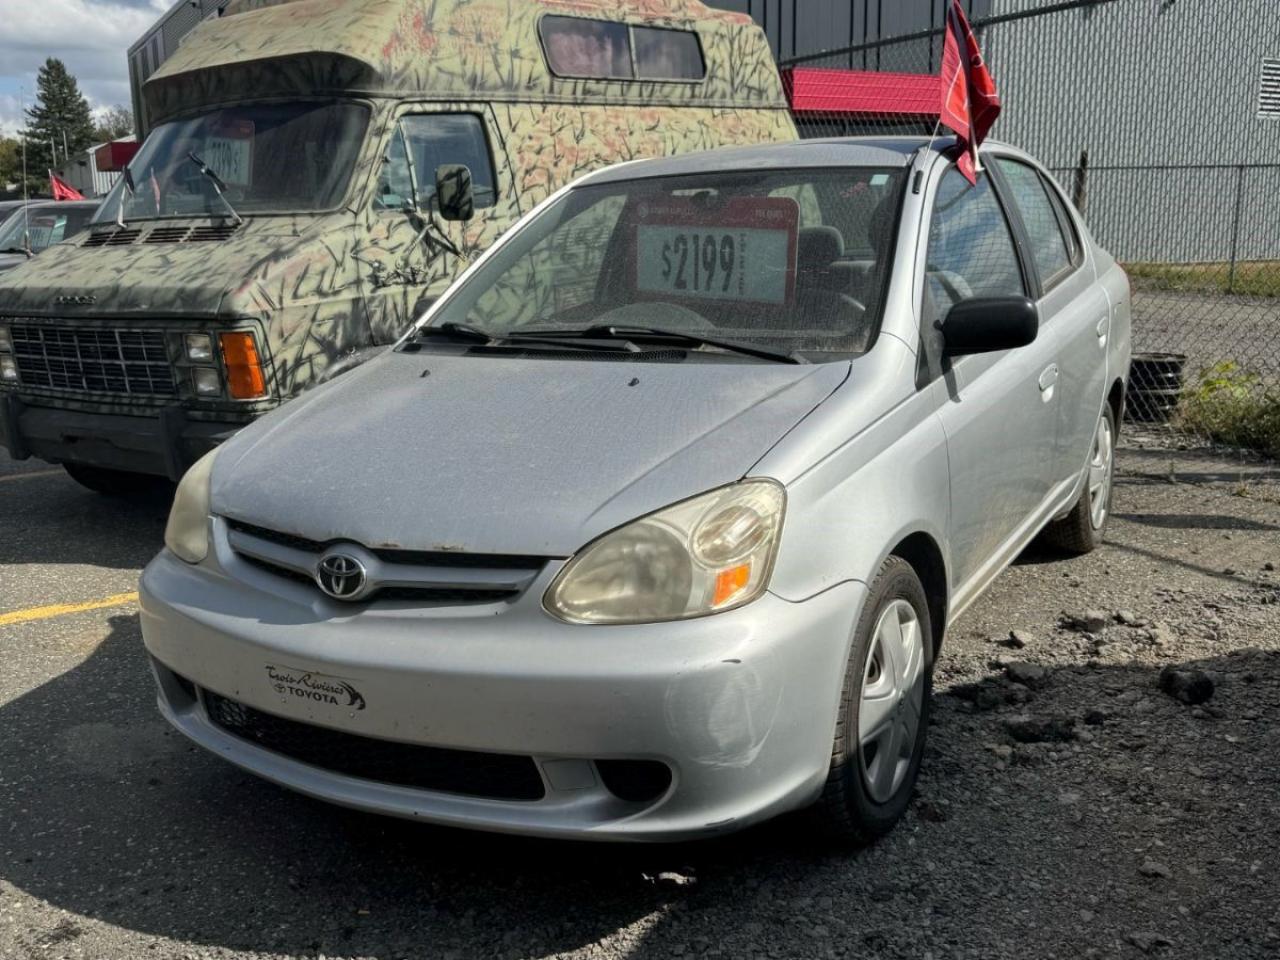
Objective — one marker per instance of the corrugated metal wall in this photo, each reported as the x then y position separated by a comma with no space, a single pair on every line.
1163,97
799,27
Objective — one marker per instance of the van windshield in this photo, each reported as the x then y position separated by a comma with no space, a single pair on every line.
271,158
794,259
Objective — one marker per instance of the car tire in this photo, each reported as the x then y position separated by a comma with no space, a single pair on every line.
883,716
1083,529
116,483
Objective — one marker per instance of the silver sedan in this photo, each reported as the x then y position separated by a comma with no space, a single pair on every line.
654,525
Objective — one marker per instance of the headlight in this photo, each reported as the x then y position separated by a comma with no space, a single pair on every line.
199,347
712,553
6,339
187,533
8,369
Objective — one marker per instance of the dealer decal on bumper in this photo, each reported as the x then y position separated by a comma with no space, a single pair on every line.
304,685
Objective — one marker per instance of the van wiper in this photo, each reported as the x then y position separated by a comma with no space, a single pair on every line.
657,334
18,250
218,186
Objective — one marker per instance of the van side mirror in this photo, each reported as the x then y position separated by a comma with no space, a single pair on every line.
454,196
990,324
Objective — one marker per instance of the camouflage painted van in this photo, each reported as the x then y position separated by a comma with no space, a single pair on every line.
281,221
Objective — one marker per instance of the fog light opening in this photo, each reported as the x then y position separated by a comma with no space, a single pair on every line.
636,781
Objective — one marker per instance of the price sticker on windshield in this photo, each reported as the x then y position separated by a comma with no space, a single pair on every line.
228,150
744,250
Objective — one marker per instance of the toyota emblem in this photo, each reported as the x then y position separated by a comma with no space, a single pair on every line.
341,576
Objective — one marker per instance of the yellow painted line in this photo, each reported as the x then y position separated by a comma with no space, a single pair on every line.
62,609
31,475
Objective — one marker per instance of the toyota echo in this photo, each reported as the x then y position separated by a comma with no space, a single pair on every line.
652,527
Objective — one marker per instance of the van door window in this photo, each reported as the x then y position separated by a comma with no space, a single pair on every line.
971,252
424,142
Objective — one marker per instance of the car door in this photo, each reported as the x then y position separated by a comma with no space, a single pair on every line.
999,410
1071,303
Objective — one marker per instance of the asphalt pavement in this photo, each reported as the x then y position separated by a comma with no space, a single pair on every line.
1069,807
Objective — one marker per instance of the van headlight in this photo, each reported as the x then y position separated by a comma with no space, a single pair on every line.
712,553
187,532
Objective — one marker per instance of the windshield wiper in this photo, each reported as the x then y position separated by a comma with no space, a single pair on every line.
650,334
218,186
453,330
17,250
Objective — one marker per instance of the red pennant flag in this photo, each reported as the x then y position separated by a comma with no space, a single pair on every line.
63,190
970,103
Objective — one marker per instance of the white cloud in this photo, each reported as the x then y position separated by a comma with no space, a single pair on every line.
89,36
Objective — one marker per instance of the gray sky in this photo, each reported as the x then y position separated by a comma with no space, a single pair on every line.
89,36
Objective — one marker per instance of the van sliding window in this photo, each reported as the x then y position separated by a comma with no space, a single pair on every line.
608,50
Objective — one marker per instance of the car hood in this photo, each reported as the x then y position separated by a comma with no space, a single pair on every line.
10,260
494,455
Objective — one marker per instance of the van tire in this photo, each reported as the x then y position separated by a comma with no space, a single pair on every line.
1080,531
847,810
116,483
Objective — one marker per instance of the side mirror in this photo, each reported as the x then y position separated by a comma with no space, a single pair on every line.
990,325
454,196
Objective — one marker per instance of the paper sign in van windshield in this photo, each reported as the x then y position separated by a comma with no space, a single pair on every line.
228,149
744,250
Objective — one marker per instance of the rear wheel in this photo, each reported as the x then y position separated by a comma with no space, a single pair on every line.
1081,531
116,483
884,710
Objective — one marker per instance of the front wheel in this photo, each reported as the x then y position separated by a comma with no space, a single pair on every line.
884,710
1081,531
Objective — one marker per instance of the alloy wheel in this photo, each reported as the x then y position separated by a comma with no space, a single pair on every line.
1101,469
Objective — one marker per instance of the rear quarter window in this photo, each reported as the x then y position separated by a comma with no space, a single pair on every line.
608,50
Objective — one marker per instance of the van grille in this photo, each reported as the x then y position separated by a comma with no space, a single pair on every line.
470,773
93,359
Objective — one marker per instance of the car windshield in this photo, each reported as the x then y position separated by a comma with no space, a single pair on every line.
790,260
42,227
269,158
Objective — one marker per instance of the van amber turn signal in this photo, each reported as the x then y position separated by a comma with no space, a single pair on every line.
245,380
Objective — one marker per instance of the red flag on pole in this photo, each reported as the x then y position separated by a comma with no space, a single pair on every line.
970,103
63,190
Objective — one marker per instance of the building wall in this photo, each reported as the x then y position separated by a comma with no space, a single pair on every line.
1163,97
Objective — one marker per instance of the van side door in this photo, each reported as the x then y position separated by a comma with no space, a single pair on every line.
1071,303
409,254
999,410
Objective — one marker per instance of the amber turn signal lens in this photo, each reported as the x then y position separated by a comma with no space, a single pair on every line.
244,368
730,583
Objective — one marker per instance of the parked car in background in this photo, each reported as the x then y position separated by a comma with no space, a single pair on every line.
283,221
39,227
654,526
8,208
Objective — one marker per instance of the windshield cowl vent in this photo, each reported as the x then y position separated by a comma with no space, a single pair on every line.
167,235
214,232
112,238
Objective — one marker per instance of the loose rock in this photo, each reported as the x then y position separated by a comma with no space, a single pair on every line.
1191,687
1028,674
1153,868
1026,729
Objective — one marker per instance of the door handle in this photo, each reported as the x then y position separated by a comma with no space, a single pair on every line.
1101,329
1048,379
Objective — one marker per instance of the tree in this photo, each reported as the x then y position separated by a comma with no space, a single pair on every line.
11,171
59,120
113,123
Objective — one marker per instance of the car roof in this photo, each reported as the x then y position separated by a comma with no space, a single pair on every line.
870,151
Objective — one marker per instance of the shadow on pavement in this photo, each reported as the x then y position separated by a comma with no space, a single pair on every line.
107,814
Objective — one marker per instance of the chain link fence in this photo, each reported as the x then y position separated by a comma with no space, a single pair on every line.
1154,117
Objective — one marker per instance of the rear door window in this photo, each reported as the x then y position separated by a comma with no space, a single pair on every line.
667,54
1049,247
971,251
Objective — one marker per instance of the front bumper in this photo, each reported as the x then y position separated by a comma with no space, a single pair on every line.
165,442
741,706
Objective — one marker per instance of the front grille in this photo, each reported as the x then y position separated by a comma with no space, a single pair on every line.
441,595
493,775
93,359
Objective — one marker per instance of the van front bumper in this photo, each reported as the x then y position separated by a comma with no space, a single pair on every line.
164,442
740,707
